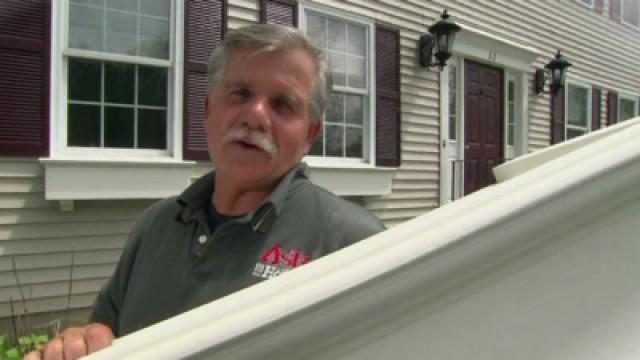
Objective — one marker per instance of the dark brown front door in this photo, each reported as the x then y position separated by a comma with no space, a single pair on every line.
483,125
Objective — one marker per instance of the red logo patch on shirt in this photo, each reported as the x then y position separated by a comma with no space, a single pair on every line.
277,260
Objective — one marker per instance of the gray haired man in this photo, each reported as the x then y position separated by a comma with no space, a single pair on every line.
253,218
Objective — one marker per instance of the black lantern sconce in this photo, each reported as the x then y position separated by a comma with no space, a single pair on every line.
440,39
558,68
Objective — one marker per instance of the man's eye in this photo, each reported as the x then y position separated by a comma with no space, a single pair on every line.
281,104
240,93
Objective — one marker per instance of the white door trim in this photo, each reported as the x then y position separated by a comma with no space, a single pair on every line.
485,48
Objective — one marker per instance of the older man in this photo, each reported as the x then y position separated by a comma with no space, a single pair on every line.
255,217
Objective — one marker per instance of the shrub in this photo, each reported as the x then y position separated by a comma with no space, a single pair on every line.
25,344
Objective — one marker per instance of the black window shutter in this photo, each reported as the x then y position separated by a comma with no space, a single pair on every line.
612,107
387,96
596,107
25,32
205,25
557,116
281,12
615,8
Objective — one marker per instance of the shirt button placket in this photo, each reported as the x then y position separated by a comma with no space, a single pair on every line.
202,240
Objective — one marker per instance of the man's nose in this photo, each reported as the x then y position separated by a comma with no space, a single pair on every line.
256,114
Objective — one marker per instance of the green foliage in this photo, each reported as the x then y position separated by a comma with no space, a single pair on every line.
26,344
23,336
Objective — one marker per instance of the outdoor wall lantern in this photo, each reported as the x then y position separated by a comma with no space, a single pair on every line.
440,39
558,68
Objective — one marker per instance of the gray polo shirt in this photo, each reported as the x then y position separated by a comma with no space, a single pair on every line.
172,262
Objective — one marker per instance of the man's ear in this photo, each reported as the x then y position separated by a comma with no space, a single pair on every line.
314,131
315,128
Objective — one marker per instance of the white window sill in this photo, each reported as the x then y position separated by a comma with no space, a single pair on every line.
105,179
147,178
351,179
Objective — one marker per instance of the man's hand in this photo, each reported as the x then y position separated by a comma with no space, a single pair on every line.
74,343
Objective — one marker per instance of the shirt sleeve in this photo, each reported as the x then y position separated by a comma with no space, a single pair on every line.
110,299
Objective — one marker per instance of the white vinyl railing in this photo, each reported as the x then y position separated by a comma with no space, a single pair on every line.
543,265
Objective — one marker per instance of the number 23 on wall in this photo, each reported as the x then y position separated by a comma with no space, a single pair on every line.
493,56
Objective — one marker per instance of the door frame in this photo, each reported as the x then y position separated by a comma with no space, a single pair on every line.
489,49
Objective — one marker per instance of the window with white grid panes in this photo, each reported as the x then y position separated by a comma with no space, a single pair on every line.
578,117
627,108
456,162
453,101
346,45
511,112
118,63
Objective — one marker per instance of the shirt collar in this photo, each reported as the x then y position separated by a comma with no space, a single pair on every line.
194,199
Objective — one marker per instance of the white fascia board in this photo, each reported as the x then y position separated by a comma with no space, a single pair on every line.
371,291
85,179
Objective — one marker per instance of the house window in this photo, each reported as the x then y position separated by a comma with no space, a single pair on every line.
118,64
627,108
511,112
578,118
455,154
347,45
630,12
453,101
511,115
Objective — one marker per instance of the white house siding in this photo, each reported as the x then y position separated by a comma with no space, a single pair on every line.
242,12
604,53
41,237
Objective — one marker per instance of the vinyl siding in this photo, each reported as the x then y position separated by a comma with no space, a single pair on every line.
242,12
40,237
587,38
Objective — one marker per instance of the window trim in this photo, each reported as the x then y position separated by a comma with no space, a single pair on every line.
622,20
628,97
370,111
60,53
512,56
99,173
589,89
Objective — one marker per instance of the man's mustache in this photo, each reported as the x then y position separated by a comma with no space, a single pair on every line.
258,139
